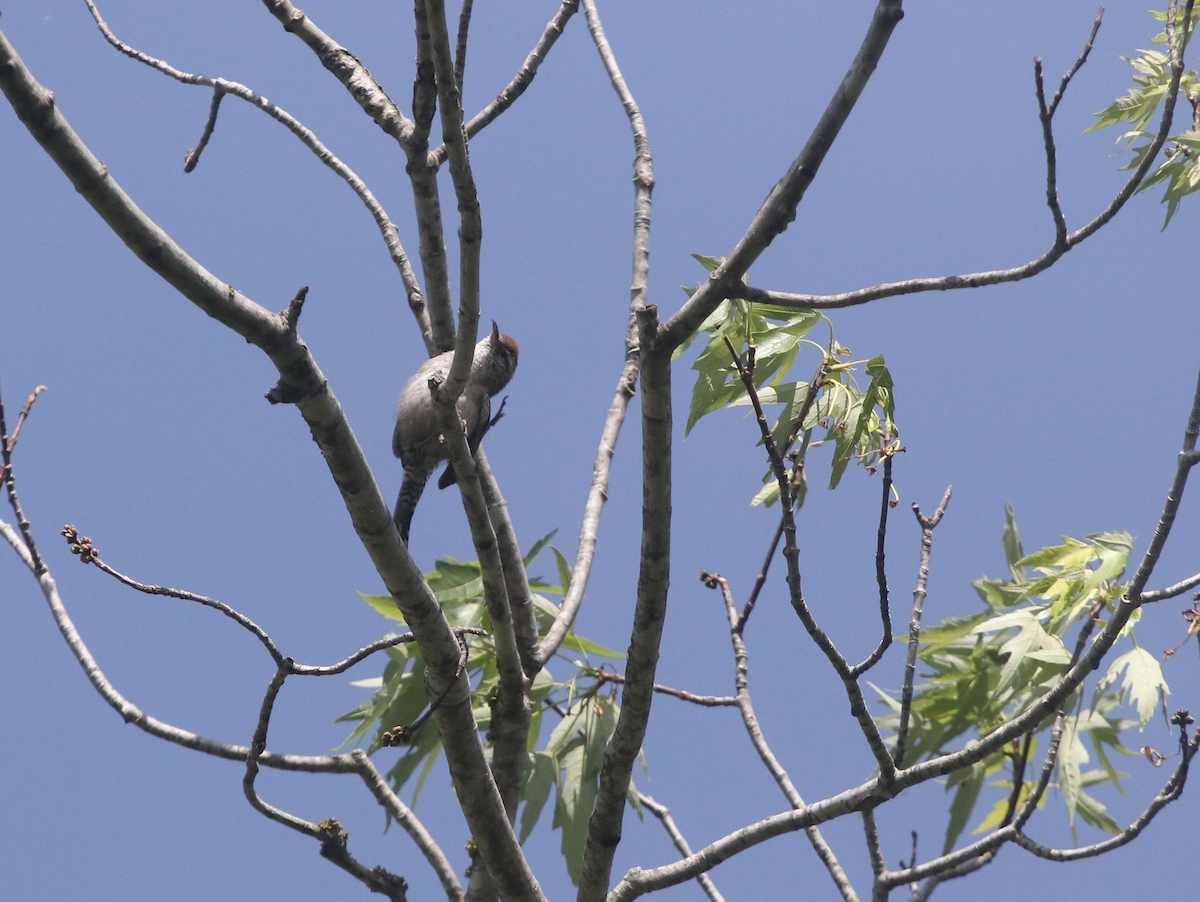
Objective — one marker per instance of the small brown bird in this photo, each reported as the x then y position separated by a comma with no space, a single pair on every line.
418,440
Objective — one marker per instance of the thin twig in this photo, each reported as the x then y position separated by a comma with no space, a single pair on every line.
664,816
7,445
760,580
643,183
741,658
308,138
885,611
707,701
1016,273
1171,791
410,824
193,155
914,627
521,81
330,833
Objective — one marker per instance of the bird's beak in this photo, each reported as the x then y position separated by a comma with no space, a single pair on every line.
495,337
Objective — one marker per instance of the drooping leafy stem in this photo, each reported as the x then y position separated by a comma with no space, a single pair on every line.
1180,168
859,422
986,668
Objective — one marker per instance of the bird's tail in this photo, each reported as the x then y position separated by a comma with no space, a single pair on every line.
411,488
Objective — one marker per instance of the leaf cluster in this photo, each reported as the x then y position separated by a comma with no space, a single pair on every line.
1180,169
567,765
859,422
983,670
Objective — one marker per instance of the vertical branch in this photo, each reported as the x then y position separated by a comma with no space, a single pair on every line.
460,46
516,580
759,741
604,826
643,184
470,230
7,444
914,627
885,613
422,174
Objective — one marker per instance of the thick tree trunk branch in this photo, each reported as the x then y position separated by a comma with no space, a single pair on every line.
604,826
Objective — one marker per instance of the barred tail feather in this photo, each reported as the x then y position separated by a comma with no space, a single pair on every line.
411,489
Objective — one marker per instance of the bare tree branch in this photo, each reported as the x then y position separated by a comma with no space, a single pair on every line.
705,701
604,826
460,45
1063,242
303,384
521,81
1171,591
409,823
221,87
885,612
664,816
779,209
363,87
758,740
643,182
1171,791
516,580
422,174
914,626
25,545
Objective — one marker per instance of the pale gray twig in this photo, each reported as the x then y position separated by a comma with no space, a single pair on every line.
643,168
754,730
914,626
221,87
1063,241
664,816
521,81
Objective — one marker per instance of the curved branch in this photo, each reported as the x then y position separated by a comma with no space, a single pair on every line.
885,611
521,81
221,87
758,740
1171,791
643,183
1063,241
403,815
363,87
779,209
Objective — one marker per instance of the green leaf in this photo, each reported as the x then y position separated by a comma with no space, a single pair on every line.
564,570
384,604
538,546
1143,683
573,807
541,775
965,796
1013,550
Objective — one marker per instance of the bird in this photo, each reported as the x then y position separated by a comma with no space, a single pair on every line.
417,439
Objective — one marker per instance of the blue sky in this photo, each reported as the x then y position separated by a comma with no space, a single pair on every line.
1065,395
